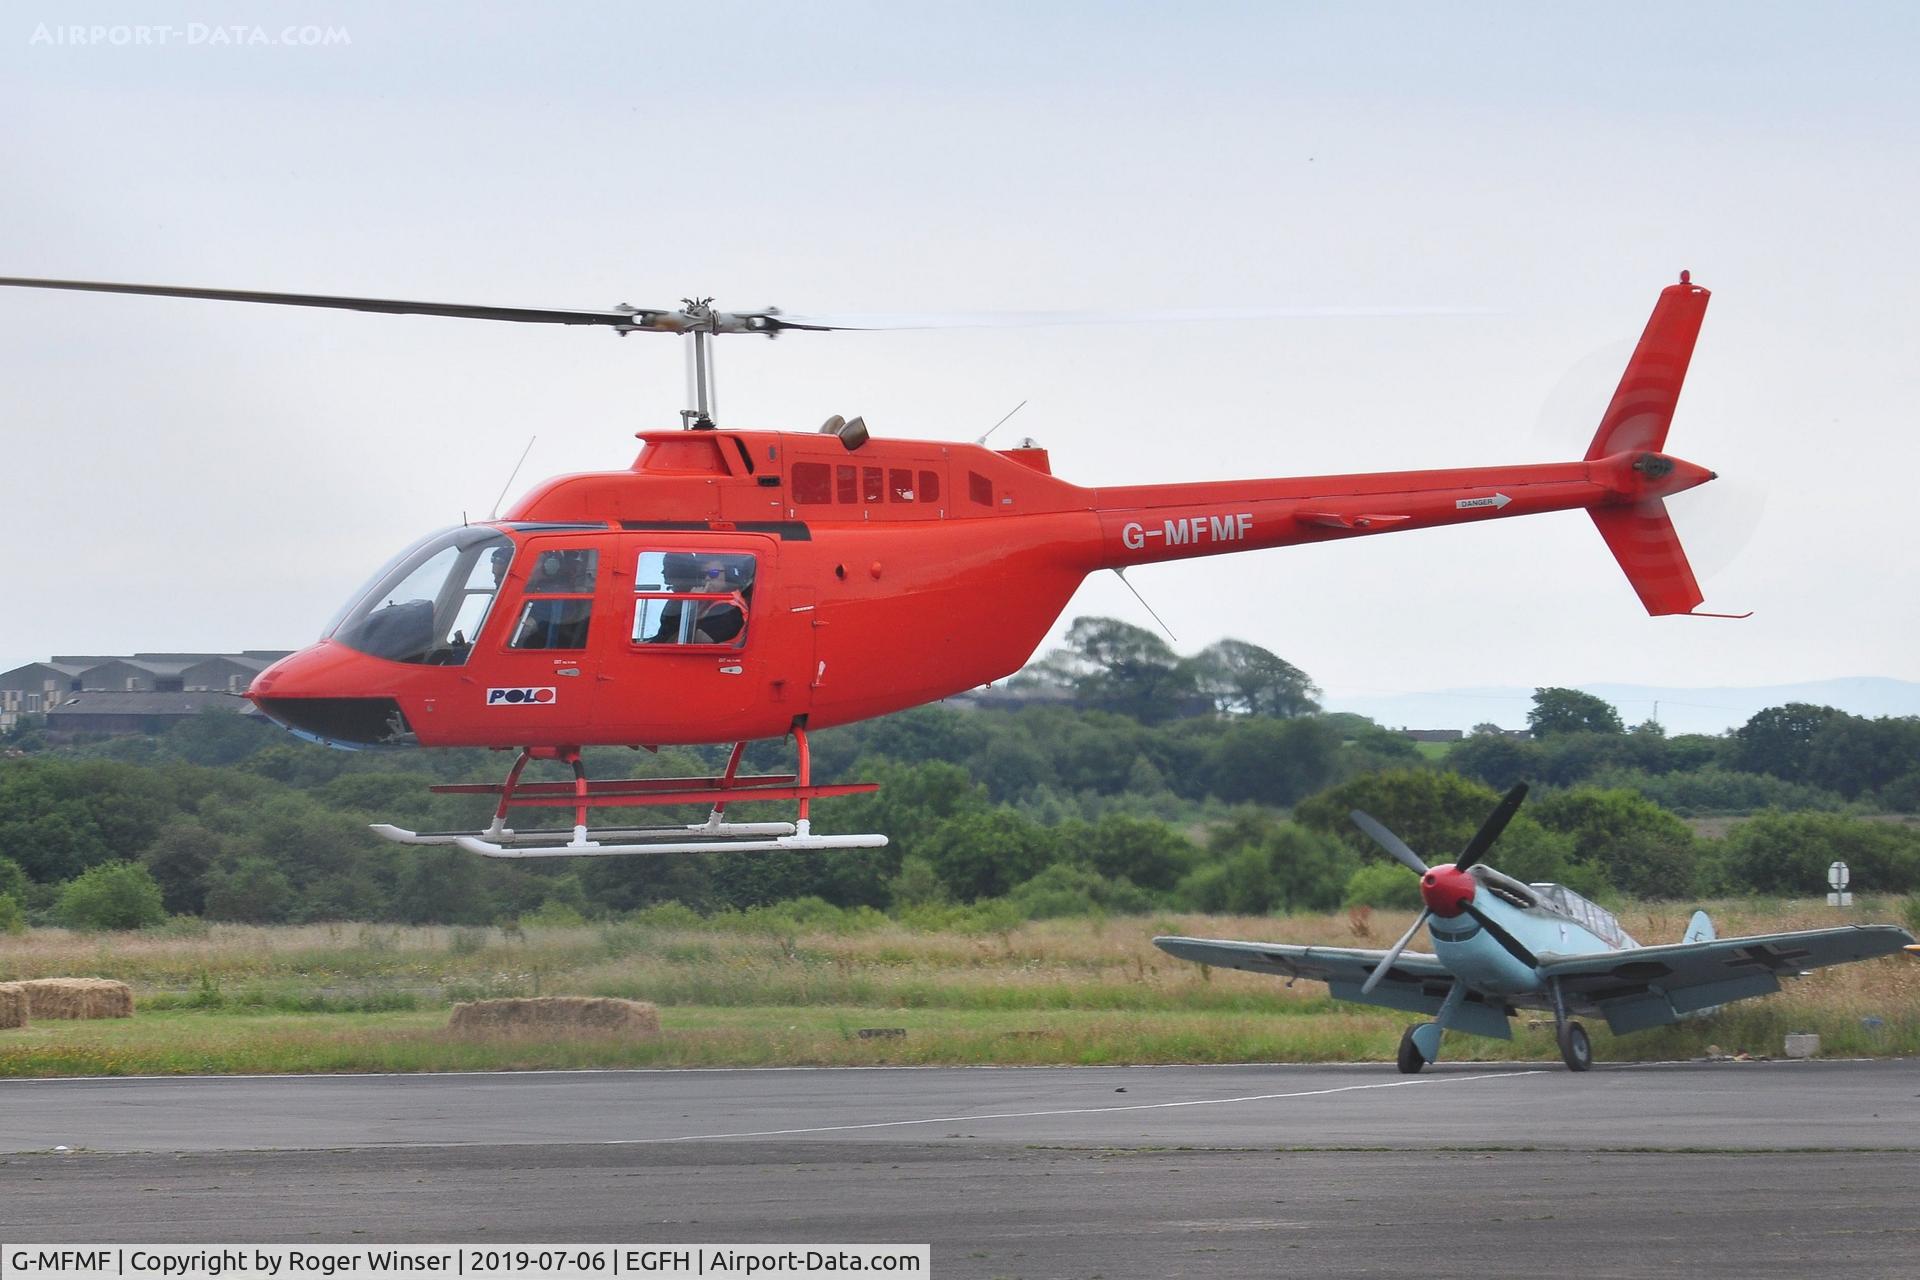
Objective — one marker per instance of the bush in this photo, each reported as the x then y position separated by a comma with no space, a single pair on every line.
13,881
1788,853
252,889
113,895
13,916
1063,890
1383,884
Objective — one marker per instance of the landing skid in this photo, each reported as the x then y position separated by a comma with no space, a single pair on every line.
582,795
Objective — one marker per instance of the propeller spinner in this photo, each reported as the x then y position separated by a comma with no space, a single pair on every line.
1446,890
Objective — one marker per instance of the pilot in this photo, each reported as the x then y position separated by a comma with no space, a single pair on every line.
562,573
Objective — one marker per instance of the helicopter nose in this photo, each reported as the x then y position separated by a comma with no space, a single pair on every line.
319,694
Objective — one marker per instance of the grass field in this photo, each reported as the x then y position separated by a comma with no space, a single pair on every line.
757,991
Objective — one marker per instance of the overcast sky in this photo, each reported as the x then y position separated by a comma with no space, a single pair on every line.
186,475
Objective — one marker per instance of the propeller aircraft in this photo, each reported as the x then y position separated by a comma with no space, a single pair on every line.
738,585
1500,946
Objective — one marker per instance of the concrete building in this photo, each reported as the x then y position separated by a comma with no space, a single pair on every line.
103,713
39,688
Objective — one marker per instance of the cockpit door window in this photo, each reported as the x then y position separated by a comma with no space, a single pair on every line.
684,598
559,600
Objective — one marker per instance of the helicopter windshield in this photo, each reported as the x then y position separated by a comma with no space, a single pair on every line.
428,604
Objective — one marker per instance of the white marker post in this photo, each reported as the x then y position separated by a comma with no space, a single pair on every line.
1837,877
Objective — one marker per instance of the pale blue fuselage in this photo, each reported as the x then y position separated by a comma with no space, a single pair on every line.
1559,923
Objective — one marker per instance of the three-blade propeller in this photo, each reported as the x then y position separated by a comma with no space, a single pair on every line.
1475,850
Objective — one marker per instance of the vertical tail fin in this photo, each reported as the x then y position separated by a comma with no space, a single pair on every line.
1642,407
1700,928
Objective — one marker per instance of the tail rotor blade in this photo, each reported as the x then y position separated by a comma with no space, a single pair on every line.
1386,962
1392,843
1490,829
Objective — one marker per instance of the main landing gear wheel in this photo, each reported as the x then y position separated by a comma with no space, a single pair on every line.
1575,1049
1411,1059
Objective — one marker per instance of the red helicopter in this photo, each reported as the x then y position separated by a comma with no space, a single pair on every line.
735,585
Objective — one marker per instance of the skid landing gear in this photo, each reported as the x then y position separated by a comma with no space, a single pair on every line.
715,835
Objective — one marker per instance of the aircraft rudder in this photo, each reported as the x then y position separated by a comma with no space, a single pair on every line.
1700,928
1642,407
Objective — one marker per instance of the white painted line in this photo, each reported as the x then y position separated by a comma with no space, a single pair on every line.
1069,1111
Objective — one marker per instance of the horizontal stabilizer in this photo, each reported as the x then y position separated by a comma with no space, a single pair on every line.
1341,520
1642,407
1642,539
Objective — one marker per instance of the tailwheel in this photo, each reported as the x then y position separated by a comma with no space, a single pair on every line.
1575,1049
1411,1059
582,795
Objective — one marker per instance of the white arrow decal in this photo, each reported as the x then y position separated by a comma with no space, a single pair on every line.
1497,501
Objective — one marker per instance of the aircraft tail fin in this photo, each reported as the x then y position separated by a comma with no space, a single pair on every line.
1642,539
1637,418
1700,928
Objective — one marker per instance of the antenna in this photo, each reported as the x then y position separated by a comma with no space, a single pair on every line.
495,513
1003,422
1122,575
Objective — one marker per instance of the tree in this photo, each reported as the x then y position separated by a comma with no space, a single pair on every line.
1788,853
250,889
1644,850
1146,852
1259,864
178,859
439,885
13,881
1853,755
1272,761
985,853
1242,678
1571,711
1779,740
1119,667
113,895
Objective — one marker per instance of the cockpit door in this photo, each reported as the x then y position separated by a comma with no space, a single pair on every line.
690,627
544,639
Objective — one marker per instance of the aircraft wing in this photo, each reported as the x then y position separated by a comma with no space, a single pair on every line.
1651,986
1417,983
1322,964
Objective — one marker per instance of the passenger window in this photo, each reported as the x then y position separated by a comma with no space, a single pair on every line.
812,483
870,486
979,488
929,486
900,483
559,607
692,597
847,482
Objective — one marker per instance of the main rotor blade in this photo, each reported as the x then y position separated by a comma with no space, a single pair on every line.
1151,315
1386,961
1490,829
534,315
1392,843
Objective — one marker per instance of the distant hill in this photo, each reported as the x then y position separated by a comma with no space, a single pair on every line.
1712,710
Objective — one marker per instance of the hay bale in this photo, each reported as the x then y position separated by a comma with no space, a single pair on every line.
602,1016
77,998
13,1006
